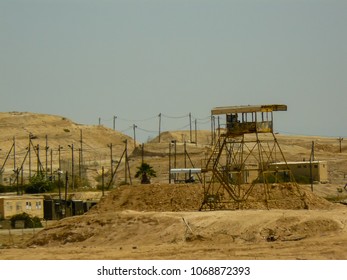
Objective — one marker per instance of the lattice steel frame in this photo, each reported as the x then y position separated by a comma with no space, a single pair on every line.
241,161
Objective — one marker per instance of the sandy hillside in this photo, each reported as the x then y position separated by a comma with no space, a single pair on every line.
95,150
162,221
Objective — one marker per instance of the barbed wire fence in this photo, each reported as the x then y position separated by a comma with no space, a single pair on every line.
152,127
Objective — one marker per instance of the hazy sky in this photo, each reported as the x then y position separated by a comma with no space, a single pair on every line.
134,59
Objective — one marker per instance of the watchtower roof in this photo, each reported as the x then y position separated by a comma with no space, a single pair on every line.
248,109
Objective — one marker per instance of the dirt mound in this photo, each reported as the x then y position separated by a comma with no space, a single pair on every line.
126,227
295,228
189,197
284,196
153,197
132,228
160,220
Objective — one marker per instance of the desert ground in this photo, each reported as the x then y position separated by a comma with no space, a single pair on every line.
161,220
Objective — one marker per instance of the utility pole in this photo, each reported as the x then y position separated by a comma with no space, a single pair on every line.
17,179
159,126
170,163
175,153
72,167
79,164
38,169
114,122
212,130
22,180
111,161
340,139
81,146
312,151
134,127
196,132
31,136
311,169
175,156
14,155
59,157
29,154
126,162
46,150
127,166
52,164
59,184
66,189
185,158
190,126
103,180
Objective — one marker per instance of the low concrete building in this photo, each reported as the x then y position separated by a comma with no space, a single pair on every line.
13,205
299,169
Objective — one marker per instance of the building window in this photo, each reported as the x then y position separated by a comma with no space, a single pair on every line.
8,206
19,206
38,204
28,205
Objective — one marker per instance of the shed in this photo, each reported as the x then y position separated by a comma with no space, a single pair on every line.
299,169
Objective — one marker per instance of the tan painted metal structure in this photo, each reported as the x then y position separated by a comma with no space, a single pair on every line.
241,158
248,109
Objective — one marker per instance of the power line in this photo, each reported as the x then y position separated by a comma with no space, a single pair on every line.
145,130
208,118
139,120
172,117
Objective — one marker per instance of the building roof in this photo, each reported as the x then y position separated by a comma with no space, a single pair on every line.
299,162
248,109
185,170
21,197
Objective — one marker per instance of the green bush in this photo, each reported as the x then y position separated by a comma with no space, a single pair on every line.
39,184
29,221
4,189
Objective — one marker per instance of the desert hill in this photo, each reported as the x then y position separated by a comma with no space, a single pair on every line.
59,131
94,151
87,143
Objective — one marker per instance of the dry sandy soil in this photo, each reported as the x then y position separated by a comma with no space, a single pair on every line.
159,222
162,221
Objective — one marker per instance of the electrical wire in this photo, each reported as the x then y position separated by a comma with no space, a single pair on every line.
172,117
139,120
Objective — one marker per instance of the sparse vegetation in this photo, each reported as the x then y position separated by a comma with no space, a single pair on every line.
4,189
145,172
39,184
29,221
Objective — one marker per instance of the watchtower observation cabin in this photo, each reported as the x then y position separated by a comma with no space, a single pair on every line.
248,119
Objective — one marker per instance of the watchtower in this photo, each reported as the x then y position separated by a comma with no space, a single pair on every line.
238,169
